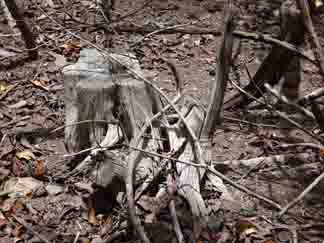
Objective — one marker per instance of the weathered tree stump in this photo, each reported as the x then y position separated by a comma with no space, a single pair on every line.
104,106
107,110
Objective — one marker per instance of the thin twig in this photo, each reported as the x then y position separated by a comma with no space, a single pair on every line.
283,116
10,35
283,99
149,180
14,121
215,172
270,40
177,77
76,237
310,145
249,123
133,12
311,97
169,30
301,196
161,30
176,224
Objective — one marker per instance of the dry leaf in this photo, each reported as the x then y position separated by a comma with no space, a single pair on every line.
3,86
17,206
245,229
41,83
19,229
27,155
71,47
321,153
92,216
40,168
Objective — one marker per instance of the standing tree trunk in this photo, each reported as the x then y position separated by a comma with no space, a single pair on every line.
26,33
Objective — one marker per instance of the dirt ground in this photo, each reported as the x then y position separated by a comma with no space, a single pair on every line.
31,96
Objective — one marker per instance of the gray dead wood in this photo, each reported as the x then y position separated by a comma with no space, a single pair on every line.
275,64
213,116
96,90
189,179
215,108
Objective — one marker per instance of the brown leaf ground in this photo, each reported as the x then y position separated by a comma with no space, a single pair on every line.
36,101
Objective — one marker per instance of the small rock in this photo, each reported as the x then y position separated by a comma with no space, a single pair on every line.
53,189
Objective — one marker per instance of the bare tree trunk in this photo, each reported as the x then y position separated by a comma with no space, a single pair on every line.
275,64
26,33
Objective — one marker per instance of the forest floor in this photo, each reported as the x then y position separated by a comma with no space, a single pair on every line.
31,96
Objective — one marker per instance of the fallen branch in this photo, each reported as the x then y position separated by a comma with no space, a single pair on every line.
215,172
283,99
274,41
280,114
160,31
301,196
170,30
306,145
305,100
265,160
